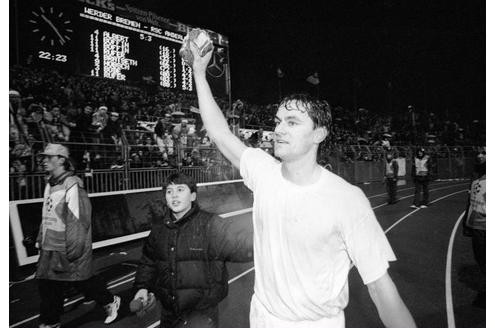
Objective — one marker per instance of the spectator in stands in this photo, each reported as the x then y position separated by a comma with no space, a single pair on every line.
187,160
136,161
391,176
84,126
150,151
100,118
169,143
68,122
385,142
118,163
420,172
266,144
189,274
183,128
86,161
183,141
53,124
293,195
161,128
15,128
19,168
112,132
65,242
97,162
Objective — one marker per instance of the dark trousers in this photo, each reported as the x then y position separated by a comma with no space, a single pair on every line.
52,296
207,318
391,184
421,184
479,250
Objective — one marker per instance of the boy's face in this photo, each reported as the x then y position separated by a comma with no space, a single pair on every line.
179,199
295,134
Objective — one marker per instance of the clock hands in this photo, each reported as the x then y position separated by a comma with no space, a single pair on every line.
62,41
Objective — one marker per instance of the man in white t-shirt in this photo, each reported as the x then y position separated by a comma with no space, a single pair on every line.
310,226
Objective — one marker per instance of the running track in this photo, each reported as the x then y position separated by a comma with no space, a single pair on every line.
435,273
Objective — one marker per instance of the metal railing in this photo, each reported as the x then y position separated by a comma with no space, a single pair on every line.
210,166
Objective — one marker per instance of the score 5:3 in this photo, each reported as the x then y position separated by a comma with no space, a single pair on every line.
145,37
49,56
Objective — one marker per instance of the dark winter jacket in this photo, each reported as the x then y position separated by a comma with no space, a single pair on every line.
183,262
65,232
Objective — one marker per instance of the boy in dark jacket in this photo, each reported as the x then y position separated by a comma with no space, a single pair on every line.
184,257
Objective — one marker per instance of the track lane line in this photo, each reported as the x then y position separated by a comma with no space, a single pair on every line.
448,276
418,209
409,188
409,196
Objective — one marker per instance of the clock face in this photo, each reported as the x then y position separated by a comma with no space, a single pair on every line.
50,26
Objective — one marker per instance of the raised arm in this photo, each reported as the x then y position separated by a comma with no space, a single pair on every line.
392,310
213,119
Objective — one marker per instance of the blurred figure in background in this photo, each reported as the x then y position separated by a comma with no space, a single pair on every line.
420,173
391,172
474,223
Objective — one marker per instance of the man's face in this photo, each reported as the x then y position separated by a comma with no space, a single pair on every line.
295,134
179,199
51,163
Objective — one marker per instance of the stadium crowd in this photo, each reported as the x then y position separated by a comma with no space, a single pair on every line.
50,106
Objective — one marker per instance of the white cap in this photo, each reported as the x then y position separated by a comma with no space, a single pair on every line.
56,150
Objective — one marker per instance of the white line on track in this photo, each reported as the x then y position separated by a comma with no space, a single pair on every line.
247,210
240,275
412,212
404,189
442,188
448,277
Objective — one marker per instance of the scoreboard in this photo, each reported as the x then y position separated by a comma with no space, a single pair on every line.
107,39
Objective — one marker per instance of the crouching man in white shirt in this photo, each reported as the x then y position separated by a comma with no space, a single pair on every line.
310,226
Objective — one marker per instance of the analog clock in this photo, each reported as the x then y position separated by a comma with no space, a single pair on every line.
51,26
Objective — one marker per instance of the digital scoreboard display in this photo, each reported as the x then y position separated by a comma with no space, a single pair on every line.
113,40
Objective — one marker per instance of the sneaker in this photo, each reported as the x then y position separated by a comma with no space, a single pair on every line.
112,310
44,325
423,206
413,206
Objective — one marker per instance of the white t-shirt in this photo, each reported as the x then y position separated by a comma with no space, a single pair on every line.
306,239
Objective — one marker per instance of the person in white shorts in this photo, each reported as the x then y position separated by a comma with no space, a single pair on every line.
310,226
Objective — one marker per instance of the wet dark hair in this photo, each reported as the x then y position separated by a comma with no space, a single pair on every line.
318,110
180,178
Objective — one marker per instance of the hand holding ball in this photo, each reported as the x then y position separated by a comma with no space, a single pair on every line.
201,40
